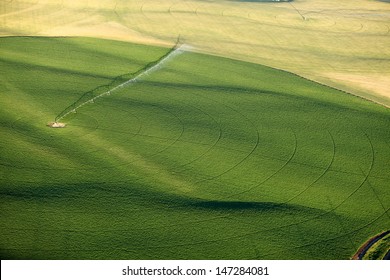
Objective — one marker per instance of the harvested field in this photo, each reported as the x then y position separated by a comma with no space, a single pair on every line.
332,42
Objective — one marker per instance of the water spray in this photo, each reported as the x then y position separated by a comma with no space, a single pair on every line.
148,69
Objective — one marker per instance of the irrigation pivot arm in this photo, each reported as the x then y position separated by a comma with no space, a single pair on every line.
120,81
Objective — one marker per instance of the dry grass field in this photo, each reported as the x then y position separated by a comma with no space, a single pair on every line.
345,44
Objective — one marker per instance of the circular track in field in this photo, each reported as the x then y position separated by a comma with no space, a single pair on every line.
38,129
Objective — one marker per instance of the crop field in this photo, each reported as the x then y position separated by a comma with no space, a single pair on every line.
264,133
204,158
344,44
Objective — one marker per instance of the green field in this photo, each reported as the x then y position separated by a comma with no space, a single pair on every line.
206,158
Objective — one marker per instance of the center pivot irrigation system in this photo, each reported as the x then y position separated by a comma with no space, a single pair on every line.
118,83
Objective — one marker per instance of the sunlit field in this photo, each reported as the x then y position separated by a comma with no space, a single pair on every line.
340,43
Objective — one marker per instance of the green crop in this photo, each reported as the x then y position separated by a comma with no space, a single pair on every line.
206,158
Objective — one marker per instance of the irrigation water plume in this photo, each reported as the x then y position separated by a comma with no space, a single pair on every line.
150,68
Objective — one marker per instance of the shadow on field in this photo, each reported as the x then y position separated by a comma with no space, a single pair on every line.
245,205
107,195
